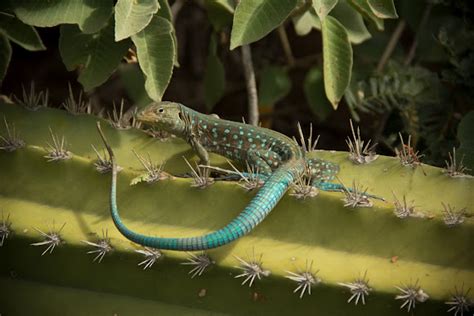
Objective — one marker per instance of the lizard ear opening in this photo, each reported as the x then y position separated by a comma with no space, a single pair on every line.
180,115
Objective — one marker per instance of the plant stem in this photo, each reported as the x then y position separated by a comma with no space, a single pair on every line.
301,9
251,85
175,8
424,20
286,45
391,46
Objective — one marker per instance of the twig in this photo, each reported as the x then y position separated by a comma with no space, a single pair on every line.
251,85
175,8
392,43
424,20
307,61
301,8
286,45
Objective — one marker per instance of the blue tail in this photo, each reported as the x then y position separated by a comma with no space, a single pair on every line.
260,206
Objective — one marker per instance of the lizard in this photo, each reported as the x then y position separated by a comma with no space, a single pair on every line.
278,158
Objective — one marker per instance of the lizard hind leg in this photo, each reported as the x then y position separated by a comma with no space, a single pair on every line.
259,164
259,161
321,170
257,167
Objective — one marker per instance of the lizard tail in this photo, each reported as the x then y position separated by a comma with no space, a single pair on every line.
259,207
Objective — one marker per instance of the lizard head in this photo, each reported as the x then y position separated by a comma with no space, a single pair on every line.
164,116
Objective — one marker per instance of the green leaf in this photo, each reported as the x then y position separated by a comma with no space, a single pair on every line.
5,56
323,7
220,13
156,55
337,59
305,22
133,16
90,15
214,79
274,84
315,95
96,55
254,19
384,9
134,83
20,33
165,10
228,5
352,21
363,7
466,149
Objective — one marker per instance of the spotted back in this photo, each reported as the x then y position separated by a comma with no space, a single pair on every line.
242,142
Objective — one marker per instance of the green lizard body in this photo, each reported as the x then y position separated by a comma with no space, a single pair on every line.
277,158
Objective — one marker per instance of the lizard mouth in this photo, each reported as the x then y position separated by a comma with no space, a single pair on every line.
146,116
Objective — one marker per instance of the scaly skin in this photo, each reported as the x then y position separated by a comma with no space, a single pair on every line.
278,158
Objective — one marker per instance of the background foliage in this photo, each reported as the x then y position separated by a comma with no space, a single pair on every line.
391,65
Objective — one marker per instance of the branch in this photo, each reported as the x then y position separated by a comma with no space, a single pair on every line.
175,8
424,20
301,9
391,46
286,45
251,85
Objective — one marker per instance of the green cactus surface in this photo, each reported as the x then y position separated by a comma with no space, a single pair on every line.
342,243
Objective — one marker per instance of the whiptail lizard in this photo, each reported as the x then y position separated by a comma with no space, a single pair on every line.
278,159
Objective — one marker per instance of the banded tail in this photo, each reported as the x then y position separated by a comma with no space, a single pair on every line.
259,207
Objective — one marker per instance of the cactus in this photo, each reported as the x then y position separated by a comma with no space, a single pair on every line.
416,247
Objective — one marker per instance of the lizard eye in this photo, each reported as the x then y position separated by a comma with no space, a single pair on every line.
161,110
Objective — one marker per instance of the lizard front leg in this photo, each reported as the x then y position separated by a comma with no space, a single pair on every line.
192,137
200,151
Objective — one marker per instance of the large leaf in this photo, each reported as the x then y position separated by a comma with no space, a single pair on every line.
315,95
274,84
323,7
90,15
352,22
20,33
134,83
384,9
337,58
156,55
254,19
5,56
133,16
165,10
363,7
350,19
214,79
96,55
228,5
220,13
305,22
